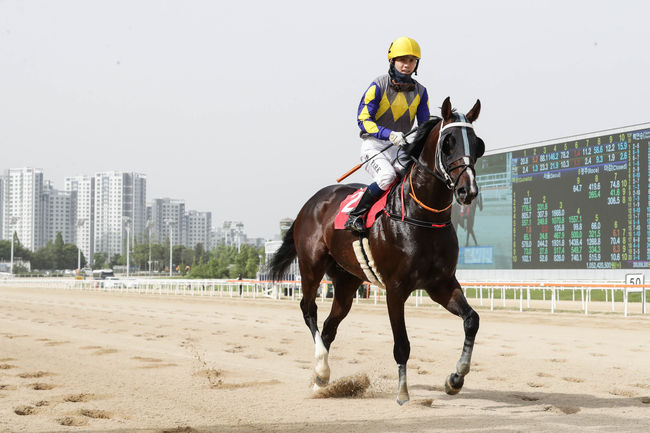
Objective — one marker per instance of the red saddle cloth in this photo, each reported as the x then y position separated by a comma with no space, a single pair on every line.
350,202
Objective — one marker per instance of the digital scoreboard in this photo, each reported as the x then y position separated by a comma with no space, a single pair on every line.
582,204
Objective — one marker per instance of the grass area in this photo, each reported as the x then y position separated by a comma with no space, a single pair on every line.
597,295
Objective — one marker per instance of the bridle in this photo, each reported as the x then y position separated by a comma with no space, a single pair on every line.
442,167
441,170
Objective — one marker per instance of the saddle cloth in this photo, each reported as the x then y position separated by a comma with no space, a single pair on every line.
349,203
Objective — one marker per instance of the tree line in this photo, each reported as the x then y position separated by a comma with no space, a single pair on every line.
54,255
221,262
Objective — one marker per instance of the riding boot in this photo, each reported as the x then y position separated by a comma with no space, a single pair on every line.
357,217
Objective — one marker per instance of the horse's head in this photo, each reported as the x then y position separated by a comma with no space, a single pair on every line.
457,150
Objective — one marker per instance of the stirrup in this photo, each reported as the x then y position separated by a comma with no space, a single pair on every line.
356,224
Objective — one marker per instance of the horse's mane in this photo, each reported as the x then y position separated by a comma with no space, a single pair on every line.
423,132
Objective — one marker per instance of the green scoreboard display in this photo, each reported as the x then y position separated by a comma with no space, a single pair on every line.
583,203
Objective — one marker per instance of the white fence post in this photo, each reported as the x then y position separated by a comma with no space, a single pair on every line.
553,295
491,291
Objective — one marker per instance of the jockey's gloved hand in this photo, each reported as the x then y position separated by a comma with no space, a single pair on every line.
397,138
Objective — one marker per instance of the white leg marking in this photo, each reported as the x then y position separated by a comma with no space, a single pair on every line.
322,369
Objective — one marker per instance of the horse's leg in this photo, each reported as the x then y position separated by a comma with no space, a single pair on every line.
401,345
453,299
345,285
312,269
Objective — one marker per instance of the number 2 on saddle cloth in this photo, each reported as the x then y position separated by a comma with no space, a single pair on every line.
350,202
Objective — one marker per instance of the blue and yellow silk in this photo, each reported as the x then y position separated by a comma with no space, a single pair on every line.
383,109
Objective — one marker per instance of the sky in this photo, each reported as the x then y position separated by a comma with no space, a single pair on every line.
247,108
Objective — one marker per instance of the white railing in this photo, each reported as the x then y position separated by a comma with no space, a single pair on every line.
511,295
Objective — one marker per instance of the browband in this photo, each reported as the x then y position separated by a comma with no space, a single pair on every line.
451,125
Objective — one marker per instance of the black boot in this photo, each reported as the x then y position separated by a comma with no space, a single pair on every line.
356,222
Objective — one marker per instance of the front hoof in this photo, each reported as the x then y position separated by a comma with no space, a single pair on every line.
402,395
401,399
454,384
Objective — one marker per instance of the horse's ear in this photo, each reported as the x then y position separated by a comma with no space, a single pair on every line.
446,109
474,112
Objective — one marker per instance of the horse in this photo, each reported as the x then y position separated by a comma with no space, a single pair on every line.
465,216
418,250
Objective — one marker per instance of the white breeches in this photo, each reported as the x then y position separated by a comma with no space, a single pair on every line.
385,167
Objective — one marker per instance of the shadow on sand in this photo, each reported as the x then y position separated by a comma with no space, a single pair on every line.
503,411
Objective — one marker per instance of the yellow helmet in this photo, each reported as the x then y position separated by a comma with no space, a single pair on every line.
403,47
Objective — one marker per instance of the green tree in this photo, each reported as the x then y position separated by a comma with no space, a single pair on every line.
140,257
200,254
43,258
227,262
19,250
99,260
56,255
69,257
117,259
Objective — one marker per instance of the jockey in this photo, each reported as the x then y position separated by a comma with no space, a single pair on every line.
388,110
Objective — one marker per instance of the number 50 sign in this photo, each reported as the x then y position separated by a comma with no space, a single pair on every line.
638,280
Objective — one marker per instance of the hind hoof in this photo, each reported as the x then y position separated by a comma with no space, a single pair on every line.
454,384
320,381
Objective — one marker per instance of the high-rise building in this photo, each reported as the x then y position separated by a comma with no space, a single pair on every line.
22,202
232,233
120,207
83,188
166,213
199,225
285,225
57,213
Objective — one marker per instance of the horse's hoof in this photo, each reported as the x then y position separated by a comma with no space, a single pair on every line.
321,381
454,384
401,399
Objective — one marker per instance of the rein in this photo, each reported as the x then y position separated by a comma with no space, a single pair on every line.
413,221
422,205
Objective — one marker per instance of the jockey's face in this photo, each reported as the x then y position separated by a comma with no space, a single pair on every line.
405,64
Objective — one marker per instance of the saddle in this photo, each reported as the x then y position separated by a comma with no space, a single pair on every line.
350,202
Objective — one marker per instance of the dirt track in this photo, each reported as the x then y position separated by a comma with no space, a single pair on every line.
74,361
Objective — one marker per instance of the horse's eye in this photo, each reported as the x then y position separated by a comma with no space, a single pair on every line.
480,148
447,144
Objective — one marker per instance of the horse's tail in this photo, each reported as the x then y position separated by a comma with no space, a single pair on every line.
283,256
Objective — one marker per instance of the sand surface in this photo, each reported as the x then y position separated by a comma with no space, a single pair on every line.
87,361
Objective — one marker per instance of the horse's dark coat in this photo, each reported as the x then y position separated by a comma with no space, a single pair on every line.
407,257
